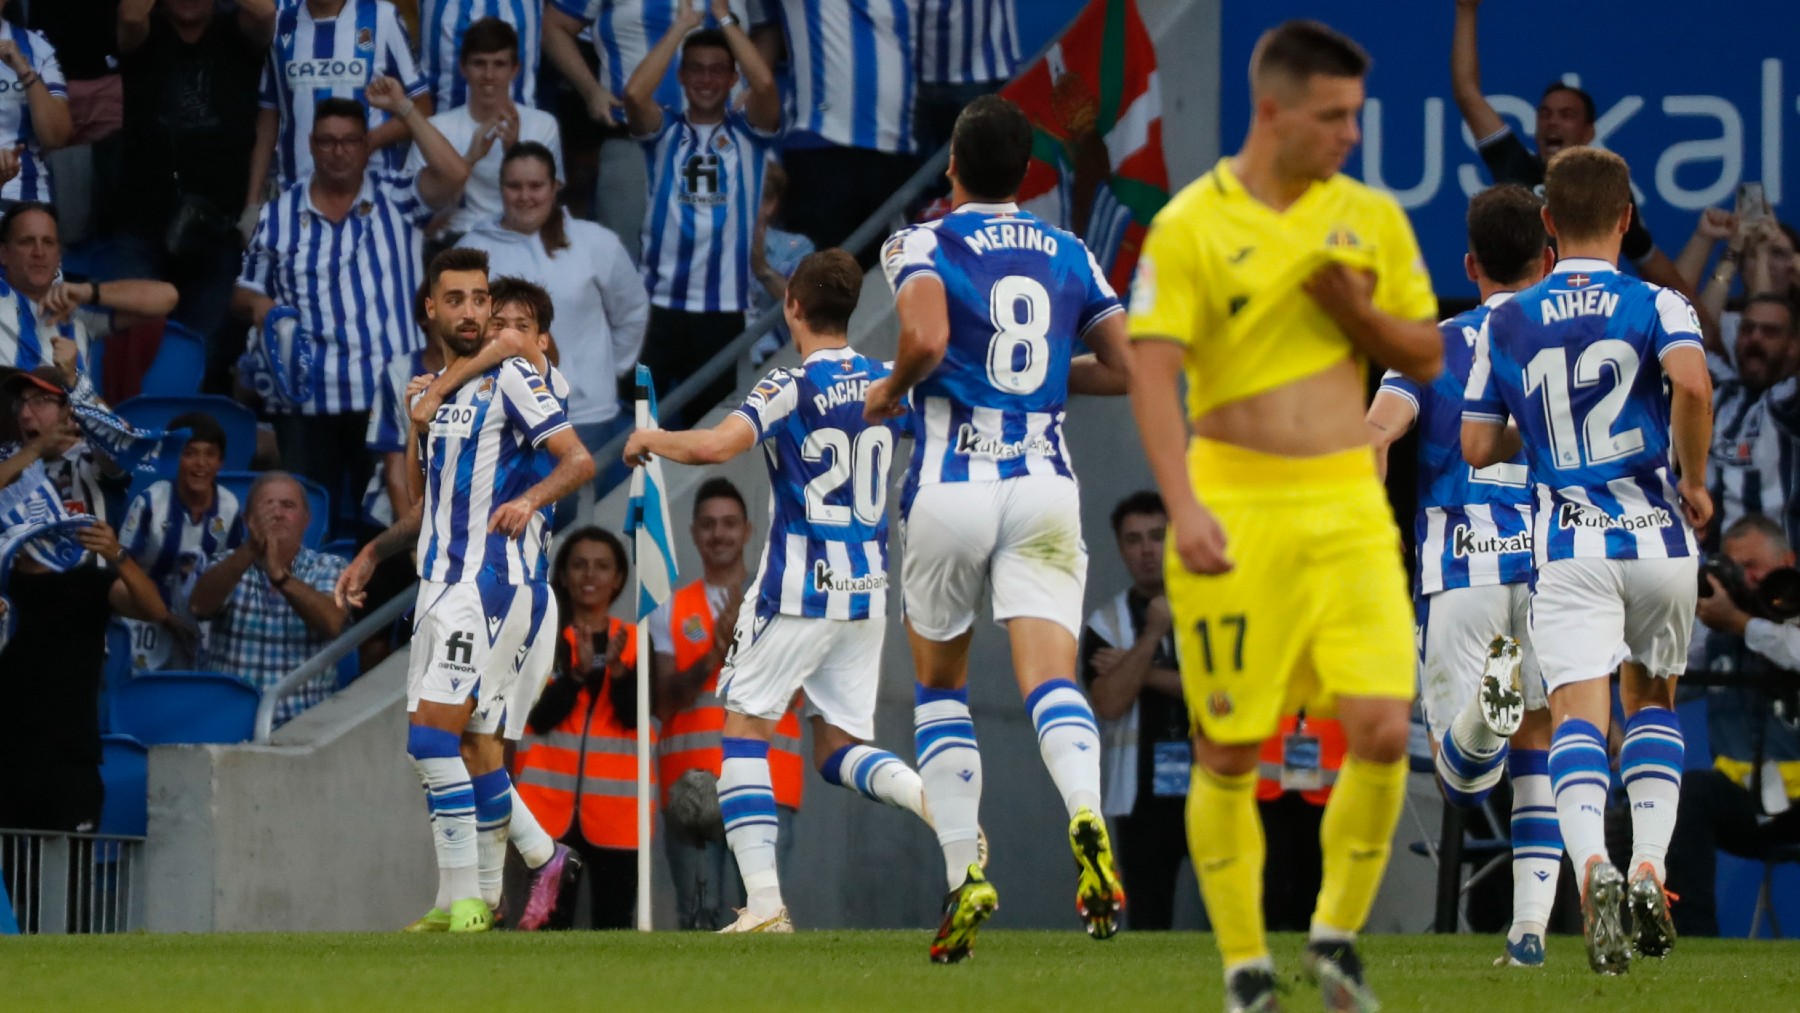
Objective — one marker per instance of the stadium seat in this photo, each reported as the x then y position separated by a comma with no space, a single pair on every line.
343,548
125,770
179,366
154,412
118,668
185,707
239,482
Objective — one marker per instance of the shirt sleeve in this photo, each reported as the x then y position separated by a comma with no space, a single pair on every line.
1777,642
1509,160
48,67
769,402
1481,397
1392,382
324,571
383,435
908,254
528,401
1677,323
1100,301
259,260
662,638
397,58
1402,284
133,534
1165,293
402,191
266,96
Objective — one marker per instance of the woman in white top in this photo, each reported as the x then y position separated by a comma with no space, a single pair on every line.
601,305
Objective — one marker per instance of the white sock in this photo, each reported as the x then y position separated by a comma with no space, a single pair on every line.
437,758
1069,740
1650,763
747,802
1470,761
1536,842
1580,777
878,775
528,836
950,771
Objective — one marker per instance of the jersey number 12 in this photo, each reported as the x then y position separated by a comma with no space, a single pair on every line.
1548,371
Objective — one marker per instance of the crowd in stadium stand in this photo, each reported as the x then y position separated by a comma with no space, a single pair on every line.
216,216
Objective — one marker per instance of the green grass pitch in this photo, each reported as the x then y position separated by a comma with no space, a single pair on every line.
854,971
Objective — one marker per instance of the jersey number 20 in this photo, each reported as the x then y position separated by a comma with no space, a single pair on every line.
1548,370
1019,308
863,462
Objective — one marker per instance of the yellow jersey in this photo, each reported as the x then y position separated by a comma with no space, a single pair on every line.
1220,272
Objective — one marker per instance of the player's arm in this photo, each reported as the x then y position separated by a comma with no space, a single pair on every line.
1413,348
1390,416
352,584
1486,442
717,445
924,314
503,346
1690,426
1465,73
1106,372
1162,426
574,468
642,115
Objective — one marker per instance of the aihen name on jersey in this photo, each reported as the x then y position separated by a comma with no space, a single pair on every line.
1593,302
1570,516
970,442
1465,542
825,581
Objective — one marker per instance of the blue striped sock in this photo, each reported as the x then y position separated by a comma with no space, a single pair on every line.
747,802
1069,740
875,774
1581,776
1467,780
437,756
1537,845
1650,763
950,769
493,823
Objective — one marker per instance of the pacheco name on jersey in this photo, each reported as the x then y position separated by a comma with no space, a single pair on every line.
1467,542
1574,516
825,580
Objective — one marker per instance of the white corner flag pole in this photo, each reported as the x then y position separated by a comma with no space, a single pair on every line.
643,695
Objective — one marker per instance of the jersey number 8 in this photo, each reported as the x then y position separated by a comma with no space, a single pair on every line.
1020,310
862,462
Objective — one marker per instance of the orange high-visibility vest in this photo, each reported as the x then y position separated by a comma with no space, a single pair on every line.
1331,758
693,738
586,763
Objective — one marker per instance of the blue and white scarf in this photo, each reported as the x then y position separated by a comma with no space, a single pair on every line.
278,363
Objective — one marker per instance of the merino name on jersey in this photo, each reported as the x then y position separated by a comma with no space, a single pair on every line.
1011,237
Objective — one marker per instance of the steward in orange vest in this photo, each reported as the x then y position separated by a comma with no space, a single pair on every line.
691,737
588,759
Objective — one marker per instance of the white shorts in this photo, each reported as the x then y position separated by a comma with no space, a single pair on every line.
837,662
536,657
1455,628
1021,537
466,644
1587,615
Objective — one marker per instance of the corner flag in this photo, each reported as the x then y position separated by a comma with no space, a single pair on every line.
647,521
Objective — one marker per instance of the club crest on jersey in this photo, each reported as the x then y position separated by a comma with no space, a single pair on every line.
365,40
1342,238
1218,704
693,629
827,581
721,141
485,392
1465,542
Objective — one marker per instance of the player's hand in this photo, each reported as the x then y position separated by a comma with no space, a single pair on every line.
352,585
883,401
1716,224
637,448
386,94
1696,503
1200,542
1105,660
1344,293
1718,612
511,517
426,401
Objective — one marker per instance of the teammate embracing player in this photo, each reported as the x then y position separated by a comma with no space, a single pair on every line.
1477,670
991,302
1579,361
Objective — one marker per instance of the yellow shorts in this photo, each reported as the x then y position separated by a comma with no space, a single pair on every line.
1317,606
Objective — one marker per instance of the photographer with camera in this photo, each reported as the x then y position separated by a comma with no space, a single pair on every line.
1744,804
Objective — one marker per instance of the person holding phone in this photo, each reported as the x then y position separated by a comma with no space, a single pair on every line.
576,768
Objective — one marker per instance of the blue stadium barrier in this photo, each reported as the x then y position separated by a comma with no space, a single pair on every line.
154,412
125,770
158,708
239,482
118,668
179,366
9,926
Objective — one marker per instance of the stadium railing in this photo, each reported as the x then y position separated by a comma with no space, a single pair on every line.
728,358
63,884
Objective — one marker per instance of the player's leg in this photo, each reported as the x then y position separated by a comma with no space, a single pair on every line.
1577,621
1537,846
507,615
441,680
1039,572
555,867
1469,684
485,757
841,692
1659,610
949,534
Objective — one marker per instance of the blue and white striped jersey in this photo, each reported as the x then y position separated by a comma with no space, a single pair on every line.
172,544
626,30
352,281
1567,358
851,71
967,41
826,556
336,57
33,180
26,342
1021,293
706,185
481,452
1473,526
441,27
